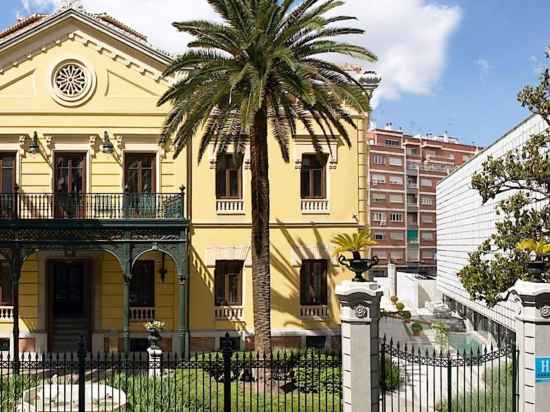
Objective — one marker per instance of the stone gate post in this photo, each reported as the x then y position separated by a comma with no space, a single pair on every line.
531,302
360,315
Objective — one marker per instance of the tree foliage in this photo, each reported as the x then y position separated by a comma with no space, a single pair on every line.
264,67
519,183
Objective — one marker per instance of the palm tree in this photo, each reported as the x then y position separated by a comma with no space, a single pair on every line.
263,67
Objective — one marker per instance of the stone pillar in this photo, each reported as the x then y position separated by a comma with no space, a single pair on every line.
531,302
360,314
155,355
392,276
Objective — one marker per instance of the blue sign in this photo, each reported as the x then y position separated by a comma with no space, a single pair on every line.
542,369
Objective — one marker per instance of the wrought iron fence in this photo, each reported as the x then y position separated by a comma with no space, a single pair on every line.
221,381
92,205
469,380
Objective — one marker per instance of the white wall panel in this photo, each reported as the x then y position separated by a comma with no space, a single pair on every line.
463,223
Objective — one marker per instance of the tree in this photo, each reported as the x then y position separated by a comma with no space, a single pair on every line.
524,175
263,67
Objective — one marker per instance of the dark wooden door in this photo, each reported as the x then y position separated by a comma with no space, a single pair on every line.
8,202
70,185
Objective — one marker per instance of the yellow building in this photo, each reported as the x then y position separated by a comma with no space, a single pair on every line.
96,231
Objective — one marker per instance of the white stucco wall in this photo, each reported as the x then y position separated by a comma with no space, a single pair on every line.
463,223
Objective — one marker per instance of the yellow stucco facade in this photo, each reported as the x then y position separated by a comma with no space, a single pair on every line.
122,87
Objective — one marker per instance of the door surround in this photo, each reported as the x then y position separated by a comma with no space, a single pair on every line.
87,273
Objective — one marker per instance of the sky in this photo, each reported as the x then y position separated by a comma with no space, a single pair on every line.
446,65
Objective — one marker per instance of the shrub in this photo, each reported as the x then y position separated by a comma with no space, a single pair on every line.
392,375
417,327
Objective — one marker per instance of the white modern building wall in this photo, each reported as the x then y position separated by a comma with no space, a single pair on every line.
463,223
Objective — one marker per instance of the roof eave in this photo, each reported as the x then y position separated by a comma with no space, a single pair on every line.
56,18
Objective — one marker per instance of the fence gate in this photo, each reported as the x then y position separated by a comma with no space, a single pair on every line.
425,380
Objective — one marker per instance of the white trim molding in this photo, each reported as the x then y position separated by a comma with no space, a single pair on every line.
304,145
215,253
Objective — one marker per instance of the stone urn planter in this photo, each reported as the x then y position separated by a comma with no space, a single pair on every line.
154,329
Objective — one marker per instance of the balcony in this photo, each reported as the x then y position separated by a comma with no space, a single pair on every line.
314,206
314,312
232,313
6,313
142,314
92,206
230,207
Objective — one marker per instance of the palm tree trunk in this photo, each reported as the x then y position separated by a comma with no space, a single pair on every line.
261,278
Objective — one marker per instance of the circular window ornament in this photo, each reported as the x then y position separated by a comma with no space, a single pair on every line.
72,82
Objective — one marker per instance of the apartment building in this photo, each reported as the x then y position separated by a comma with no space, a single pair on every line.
464,223
403,172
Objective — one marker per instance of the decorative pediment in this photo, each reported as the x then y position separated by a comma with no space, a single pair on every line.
304,145
228,253
22,86
120,86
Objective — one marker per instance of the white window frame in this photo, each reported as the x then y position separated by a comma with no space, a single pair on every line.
427,201
379,217
424,182
380,199
396,217
394,196
395,161
378,179
429,236
400,236
378,159
426,218
393,179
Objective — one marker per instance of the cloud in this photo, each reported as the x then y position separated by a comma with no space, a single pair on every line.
484,68
410,37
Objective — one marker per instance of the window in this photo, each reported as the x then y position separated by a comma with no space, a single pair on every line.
313,176
427,201
396,180
379,216
142,285
313,282
7,172
4,344
378,197
396,161
229,176
391,142
412,181
382,254
427,235
396,254
5,285
426,182
412,218
412,199
451,156
378,159
465,158
378,179
394,198
428,254
412,151
228,283
316,342
427,219
378,236
396,217
139,173
397,236
429,152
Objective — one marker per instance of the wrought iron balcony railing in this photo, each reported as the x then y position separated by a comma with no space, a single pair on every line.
92,206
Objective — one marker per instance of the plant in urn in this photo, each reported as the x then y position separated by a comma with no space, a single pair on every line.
154,328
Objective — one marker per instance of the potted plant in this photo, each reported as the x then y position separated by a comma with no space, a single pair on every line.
416,328
154,328
539,253
346,243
